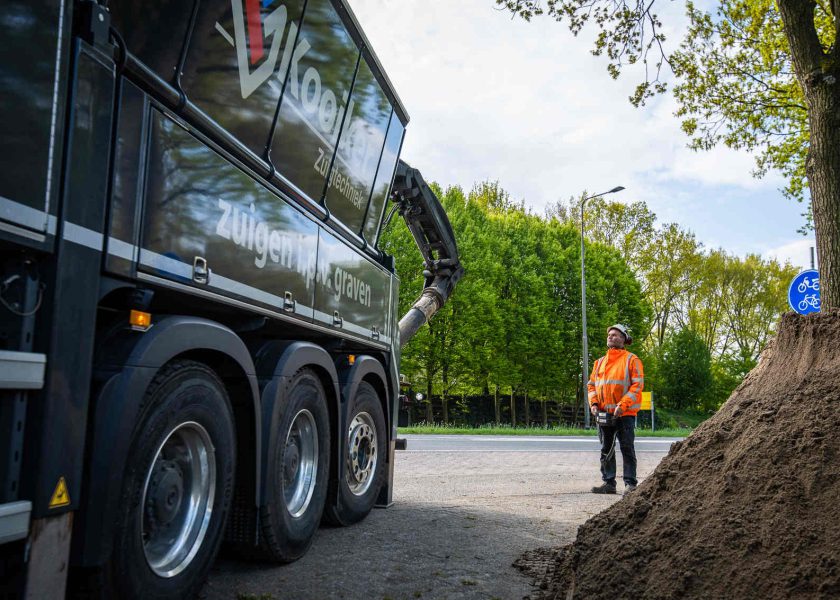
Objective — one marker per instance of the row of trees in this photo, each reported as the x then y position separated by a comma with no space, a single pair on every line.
513,326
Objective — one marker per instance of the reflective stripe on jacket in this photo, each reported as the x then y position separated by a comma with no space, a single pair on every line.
617,379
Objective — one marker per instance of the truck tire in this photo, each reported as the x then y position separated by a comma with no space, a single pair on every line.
177,487
298,468
364,465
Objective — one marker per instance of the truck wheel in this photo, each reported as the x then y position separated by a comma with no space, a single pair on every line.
177,488
364,465
297,471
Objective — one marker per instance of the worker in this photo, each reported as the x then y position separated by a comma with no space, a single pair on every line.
615,390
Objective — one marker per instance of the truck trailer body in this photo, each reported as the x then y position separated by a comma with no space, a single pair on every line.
199,338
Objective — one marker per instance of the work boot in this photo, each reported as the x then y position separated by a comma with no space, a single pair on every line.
629,487
604,488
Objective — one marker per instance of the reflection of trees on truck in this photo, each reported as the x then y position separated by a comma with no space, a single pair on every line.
203,344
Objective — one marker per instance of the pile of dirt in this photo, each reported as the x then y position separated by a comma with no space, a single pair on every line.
748,506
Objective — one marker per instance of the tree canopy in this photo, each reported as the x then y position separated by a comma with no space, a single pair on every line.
755,74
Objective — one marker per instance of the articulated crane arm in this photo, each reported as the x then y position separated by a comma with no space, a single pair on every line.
432,232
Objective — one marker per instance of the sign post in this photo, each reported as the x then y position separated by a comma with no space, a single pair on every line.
647,404
804,292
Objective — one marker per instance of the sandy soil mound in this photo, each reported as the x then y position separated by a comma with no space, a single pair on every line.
748,506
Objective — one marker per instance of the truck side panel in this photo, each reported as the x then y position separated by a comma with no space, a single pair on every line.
384,177
197,204
33,58
237,85
57,419
359,149
154,30
126,185
293,83
351,293
315,100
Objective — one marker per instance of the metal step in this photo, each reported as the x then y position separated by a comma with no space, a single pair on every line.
14,520
22,370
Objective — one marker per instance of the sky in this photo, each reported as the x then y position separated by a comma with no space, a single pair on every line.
529,106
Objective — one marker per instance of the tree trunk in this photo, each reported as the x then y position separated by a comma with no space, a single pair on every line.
545,412
512,409
527,420
444,396
818,75
496,406
430,416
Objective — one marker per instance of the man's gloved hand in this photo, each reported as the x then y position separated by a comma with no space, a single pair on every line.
617,414
593,408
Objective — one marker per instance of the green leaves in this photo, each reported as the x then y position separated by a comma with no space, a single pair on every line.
515,319
737,87
686,370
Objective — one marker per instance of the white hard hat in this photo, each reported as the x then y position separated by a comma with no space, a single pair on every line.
628,339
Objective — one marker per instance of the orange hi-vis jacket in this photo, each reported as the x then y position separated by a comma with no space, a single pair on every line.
617,380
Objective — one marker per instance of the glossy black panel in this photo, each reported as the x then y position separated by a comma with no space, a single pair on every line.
359,149
55,437
238,59
123,226
86,179
199,205
27,79
154,31
384,177
352,285
393,315
315,99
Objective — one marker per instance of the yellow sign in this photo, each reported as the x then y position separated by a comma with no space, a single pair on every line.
647,401
60,497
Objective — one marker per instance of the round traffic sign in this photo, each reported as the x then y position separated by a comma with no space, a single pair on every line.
804,292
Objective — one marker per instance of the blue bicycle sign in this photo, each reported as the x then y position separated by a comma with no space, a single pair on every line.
804,292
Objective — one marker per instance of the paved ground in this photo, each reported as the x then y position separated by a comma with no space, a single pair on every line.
459,520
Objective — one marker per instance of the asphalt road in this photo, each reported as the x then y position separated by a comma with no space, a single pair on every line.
465,507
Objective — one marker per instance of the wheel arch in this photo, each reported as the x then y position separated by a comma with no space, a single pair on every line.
126,364
368,369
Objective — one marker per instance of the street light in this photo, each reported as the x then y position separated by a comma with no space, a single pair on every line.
586,422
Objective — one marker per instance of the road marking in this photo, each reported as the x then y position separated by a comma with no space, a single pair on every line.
517,439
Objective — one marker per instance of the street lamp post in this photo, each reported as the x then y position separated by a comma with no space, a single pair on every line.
586,420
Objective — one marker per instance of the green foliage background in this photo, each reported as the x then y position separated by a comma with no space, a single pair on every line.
513,326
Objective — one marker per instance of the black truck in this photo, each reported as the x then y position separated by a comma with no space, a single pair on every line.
198,340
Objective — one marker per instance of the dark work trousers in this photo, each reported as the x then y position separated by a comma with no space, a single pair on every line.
625,431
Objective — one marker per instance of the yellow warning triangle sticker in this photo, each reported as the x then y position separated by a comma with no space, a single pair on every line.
60,497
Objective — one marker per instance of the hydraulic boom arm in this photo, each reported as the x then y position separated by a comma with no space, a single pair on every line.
432,232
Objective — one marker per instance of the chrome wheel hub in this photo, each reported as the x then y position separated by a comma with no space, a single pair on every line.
300,463
178,499
361,454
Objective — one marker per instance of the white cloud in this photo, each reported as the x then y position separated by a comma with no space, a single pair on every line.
528,105
796,252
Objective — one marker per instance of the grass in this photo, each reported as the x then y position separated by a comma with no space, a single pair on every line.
680,418
503,429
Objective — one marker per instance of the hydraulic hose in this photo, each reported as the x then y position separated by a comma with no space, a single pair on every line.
432,232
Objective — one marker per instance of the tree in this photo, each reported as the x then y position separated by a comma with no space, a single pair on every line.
756,74
686,370
629,228
514,321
